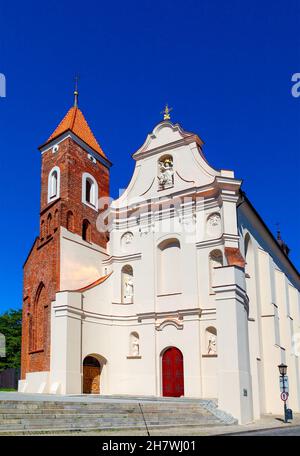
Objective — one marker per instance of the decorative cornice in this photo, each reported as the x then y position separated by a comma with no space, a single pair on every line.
178,314
210,243
169,322
69,134
122,258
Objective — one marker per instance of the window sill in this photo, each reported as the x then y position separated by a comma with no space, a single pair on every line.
54,198
133,357
210,356
91,206
123,303
169,294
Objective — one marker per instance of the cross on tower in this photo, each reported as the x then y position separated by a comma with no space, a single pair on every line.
166,112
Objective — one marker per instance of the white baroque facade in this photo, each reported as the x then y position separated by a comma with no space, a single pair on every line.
192,284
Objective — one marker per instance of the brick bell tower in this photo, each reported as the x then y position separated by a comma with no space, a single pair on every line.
75,174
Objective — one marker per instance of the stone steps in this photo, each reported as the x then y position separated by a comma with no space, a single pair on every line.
45,416
98,424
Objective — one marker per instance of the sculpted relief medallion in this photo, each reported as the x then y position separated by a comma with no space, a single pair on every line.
126,241
213,225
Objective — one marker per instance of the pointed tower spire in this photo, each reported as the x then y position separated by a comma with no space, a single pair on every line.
76,94
75,121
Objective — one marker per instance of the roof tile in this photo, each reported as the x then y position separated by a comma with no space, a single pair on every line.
75,121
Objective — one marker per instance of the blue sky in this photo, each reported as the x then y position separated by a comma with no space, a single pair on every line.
225,68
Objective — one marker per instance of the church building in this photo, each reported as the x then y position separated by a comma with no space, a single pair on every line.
177,288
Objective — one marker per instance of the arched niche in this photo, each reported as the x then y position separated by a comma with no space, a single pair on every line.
211,340
86,231
169,276
127,284
70,221
134,344
215,261
165,172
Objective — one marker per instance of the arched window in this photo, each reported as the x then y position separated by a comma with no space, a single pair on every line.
70,221
250,276
49,225
37,320
53,184
215,261
89,191
211,340
169,267
86,230
134,341
42,229
127,284
248,254
55,219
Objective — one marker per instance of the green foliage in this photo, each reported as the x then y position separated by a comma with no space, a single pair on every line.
11,327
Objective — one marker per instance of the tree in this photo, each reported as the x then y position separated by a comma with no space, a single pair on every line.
11,328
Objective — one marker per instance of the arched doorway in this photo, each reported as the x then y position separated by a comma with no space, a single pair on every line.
91,375
172,373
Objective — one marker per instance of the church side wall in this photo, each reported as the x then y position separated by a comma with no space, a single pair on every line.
271,323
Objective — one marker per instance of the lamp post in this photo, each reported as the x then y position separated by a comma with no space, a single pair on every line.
283,370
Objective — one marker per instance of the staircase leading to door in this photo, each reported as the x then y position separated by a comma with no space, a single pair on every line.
32,415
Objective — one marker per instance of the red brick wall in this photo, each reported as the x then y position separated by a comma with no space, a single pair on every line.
73,162
43,265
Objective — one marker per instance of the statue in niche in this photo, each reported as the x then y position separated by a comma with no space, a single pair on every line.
135,347
128,289
212,345
166,173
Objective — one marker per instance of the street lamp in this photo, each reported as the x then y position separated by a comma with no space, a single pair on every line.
283,370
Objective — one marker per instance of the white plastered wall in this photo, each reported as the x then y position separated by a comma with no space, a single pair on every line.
276,282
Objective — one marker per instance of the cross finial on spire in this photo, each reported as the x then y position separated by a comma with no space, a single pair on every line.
76,94
278,231
166,112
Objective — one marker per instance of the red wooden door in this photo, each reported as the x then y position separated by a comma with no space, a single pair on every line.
172,373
